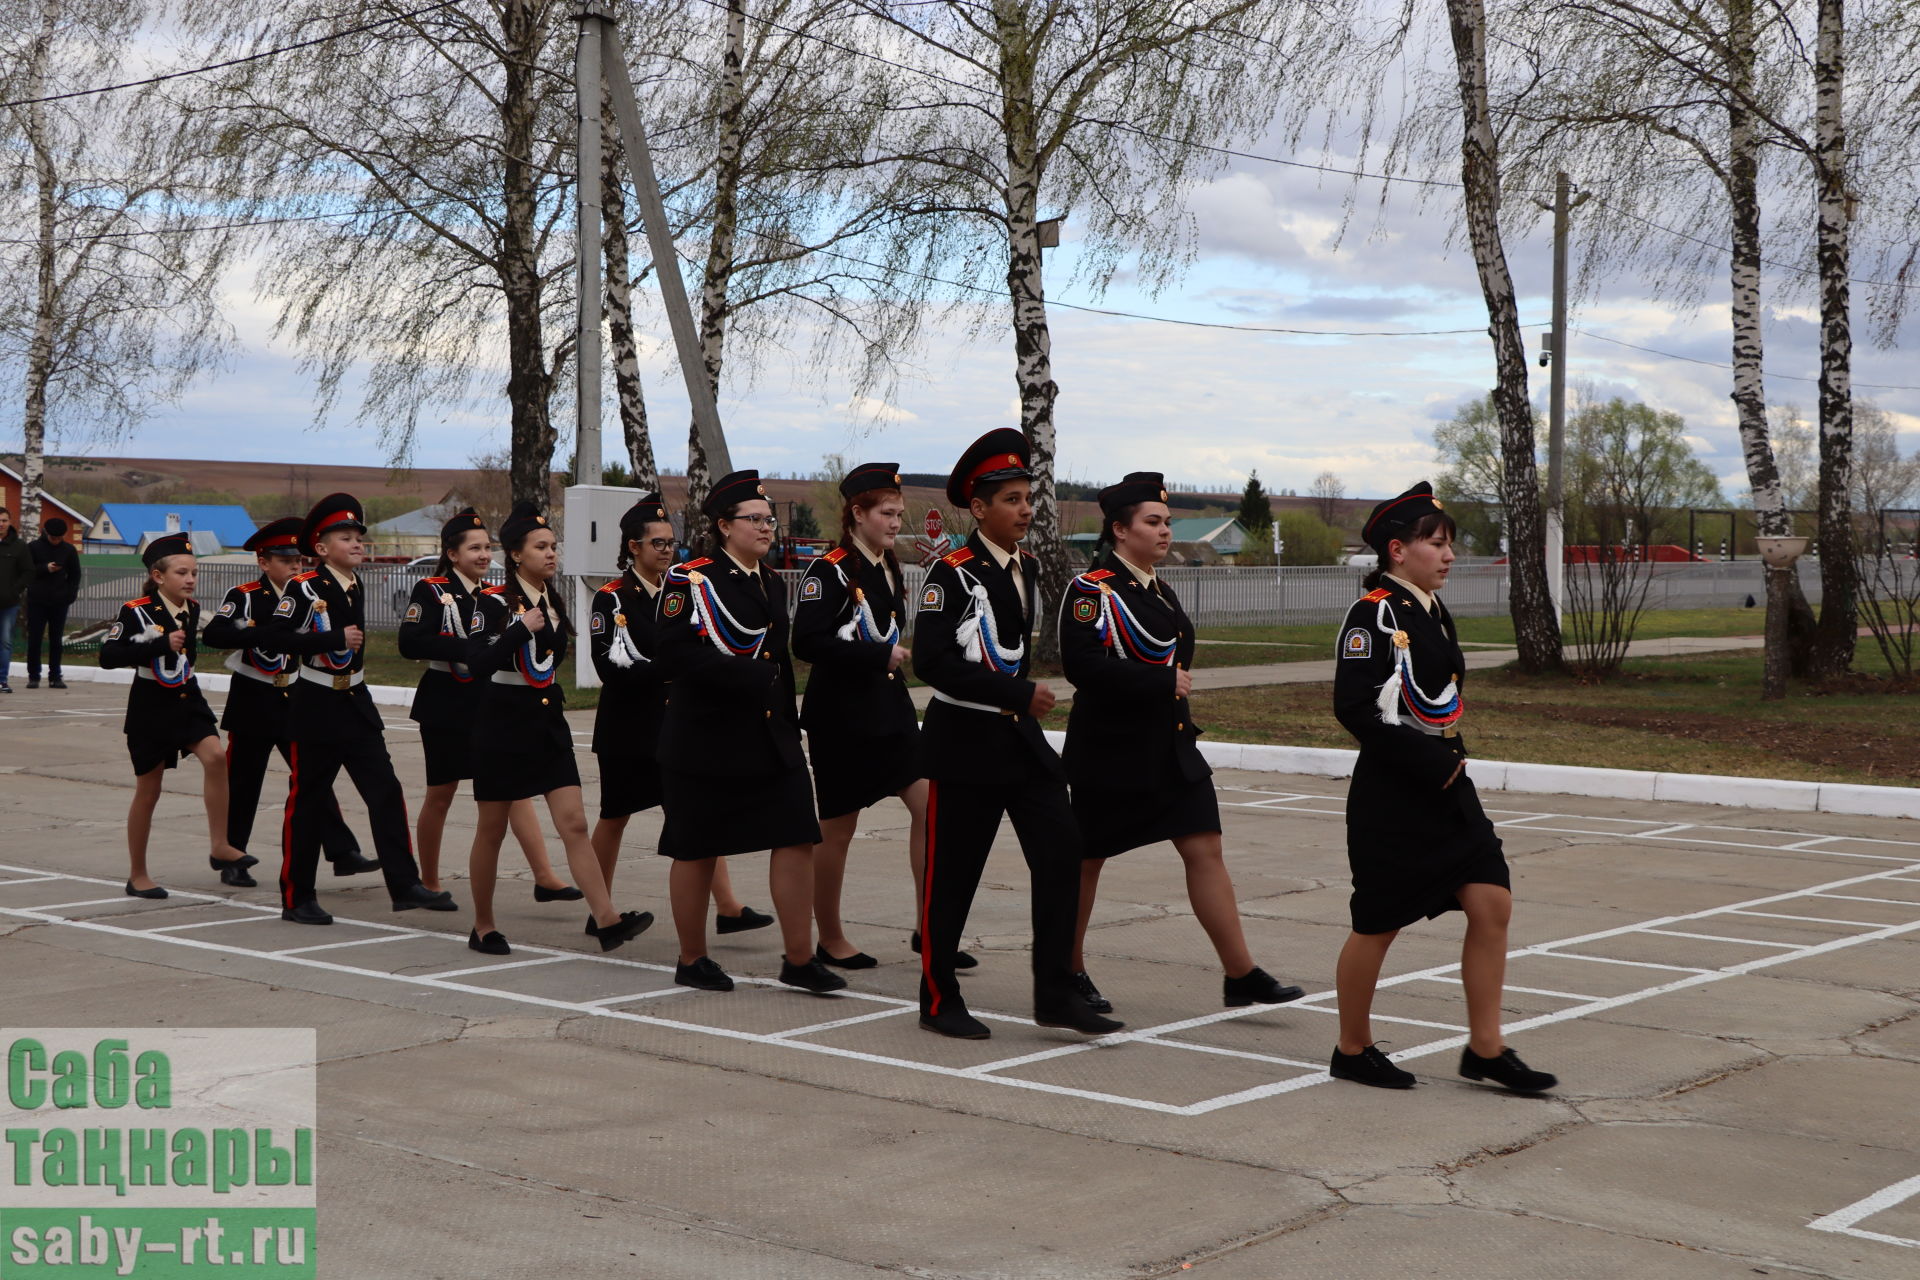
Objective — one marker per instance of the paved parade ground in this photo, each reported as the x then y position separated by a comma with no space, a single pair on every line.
1731,999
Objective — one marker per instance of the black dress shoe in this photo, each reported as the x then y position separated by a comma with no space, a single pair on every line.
155,893
629,926
961,960
418,896
353,863
1257,986
565,893
858,960
33,682
955,1022
747,919
494,944
306,913
1072,1013
235,872
56,683
703,975
1369,1066
1084,988
1507,1069
811,976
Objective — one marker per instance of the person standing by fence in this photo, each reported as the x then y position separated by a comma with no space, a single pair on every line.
16,571
55,586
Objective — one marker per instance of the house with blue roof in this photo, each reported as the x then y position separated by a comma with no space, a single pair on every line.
125,526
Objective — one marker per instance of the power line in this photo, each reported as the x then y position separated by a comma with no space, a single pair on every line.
1722,249
230,62
1715,364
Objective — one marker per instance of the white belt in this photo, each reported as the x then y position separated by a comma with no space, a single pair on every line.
146,673
972,706
344,680
508,677
239,666
1432,730
451,668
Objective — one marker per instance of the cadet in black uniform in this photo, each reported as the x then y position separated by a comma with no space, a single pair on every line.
1417,839
434,630
522,745
167,716
333,722
983,748
734,778
261,691
863,736
1132,750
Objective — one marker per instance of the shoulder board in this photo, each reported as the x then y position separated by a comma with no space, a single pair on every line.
1098,575
957,558
493,591
435,581
611,586
135,604
303,577
835,556
1027,555
1374,596
248,586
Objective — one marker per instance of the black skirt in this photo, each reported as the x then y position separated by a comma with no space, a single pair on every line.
449,753
1398,880
713,815
851,774
164,745
1113,819
629,783
520,770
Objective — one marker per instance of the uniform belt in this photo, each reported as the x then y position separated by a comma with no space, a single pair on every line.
343,680
1432,730
509,677
238,665
451,668
146,673
971,706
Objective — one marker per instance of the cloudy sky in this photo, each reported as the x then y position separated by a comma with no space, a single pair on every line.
1204,405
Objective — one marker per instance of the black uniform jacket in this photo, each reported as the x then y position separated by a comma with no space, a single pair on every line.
307,623
434,629
966,743
255,707
138,639
633,698
731,710
1399,791
530,713
1113,629
850,691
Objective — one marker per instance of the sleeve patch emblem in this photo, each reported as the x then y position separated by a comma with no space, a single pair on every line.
810,589
226,609
1357,643
1085,610
115,632
599,622
674,605
413,612
479,621
285,608
933,599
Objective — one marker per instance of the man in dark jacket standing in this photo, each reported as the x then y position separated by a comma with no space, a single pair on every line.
16,571
55,586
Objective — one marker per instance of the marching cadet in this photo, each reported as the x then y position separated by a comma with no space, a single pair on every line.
983,748
1418,842
434,630
522,745
167,716
734,779
1132,751
333,723
260,692
863,736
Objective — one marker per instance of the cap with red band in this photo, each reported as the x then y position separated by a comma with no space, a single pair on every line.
276,537
335,511
1001,454
1394,517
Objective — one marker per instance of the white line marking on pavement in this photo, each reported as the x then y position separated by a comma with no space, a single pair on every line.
1716,937
1844,1221
1776,915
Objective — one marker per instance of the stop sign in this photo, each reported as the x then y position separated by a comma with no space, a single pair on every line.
935,524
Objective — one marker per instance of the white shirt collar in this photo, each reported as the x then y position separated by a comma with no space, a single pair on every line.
1001,557
744,566
345,580
473,587
529,590
1425,598
1144,575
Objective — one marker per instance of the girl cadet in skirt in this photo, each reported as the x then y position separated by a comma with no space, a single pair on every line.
1132,753
862,734
1418,841
522,746
167,716
734,778
434,630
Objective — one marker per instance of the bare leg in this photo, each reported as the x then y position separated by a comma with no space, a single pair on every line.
569,814
146,794
1354,979
213,792
1210,890
429,830
829,874
606,846
724,899
483,863
688,886
525,821
1090,869
1483,963
915,798
790,881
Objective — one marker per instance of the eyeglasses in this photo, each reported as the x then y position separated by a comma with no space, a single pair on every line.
760,522
658,544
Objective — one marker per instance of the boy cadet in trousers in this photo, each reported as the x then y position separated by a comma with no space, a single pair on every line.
333,723
983,750
261,693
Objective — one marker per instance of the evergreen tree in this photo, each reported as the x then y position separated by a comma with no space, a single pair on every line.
1256,510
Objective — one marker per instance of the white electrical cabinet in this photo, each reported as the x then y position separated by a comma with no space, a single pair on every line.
589,551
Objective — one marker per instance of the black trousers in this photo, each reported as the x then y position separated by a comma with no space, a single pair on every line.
247,756
315,765
53,617
962,819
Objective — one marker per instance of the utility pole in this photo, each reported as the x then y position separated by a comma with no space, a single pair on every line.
1555,354
587,78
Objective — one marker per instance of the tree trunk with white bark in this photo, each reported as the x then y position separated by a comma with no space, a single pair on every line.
628,392
1833,642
